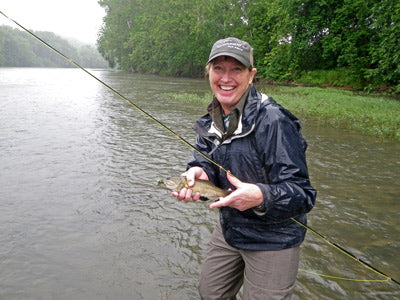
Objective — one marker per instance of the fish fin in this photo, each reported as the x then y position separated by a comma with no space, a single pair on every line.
202,198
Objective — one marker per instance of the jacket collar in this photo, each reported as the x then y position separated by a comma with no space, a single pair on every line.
206,128
218,117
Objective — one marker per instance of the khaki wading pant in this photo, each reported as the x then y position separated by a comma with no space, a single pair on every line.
265,275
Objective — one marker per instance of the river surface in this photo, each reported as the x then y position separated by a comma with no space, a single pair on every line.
82,217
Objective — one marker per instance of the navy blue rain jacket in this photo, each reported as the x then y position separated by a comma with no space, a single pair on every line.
266,149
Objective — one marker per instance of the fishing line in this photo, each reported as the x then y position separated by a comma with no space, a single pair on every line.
365,264
348,254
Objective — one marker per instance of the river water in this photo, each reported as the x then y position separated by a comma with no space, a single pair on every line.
82,217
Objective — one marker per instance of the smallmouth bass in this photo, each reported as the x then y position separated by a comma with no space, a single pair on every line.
207,190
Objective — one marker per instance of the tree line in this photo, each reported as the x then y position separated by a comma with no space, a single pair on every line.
355,40
18,49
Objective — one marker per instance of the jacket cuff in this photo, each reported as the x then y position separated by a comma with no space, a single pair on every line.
262,209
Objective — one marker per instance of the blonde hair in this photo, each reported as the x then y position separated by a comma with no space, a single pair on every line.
208,66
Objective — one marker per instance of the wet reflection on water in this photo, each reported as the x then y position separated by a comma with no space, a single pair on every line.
83,218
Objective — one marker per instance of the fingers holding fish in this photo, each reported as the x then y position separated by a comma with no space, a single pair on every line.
194,173
201,189
246,195
186,194
243,198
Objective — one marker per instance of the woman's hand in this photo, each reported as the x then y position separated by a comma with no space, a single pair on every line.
185,194
246,195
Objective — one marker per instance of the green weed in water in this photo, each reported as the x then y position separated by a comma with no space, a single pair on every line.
374,115
191,98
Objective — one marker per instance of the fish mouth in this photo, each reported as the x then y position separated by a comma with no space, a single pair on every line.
170,183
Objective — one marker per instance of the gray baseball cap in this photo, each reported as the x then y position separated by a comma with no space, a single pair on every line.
233,47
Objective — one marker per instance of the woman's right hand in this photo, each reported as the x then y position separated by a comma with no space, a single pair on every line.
186,194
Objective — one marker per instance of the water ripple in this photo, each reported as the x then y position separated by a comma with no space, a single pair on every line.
83,217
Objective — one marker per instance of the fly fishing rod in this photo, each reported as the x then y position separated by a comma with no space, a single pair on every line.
338,247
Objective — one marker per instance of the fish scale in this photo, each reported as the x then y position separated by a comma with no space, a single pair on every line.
207,190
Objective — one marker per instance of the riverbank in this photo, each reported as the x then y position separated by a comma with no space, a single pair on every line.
368,114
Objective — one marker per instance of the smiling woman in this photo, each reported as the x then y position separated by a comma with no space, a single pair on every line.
229,79
230,69
260,142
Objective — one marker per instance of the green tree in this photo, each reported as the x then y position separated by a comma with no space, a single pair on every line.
172,37
384,49
290,37
114,35
271,36
17,49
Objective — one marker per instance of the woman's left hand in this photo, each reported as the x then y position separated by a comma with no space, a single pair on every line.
246,195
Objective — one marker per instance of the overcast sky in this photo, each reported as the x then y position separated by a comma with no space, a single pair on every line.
80,19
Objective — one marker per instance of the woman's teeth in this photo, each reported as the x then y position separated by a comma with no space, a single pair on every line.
227,88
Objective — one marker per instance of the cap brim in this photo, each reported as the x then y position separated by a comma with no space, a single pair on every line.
242,60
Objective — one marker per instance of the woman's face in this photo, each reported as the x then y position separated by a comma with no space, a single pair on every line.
229,79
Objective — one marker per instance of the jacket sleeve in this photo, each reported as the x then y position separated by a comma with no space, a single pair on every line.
287,190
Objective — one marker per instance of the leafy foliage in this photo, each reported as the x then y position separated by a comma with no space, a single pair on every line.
359,35
171,37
